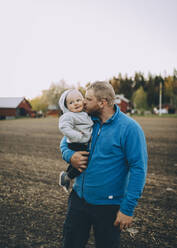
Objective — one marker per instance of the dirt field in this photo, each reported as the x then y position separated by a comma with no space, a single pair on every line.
33,207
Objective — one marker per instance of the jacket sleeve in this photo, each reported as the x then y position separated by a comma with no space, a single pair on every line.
135,151
67,127
65,151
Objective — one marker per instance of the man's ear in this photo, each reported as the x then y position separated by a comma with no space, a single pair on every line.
102,103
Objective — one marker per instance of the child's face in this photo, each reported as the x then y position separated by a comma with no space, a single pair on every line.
75,101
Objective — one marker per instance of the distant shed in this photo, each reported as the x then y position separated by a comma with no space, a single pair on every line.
53,111
123,103
14,107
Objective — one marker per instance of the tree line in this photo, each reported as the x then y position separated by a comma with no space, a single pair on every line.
143,92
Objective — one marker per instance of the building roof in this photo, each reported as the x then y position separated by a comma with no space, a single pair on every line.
10,102
52,107
121,97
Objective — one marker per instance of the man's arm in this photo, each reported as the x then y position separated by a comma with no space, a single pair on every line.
136,155
77,159
135,151
65,151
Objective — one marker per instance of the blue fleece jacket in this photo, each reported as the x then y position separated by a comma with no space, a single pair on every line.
117,163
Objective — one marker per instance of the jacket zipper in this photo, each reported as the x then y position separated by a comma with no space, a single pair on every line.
91,155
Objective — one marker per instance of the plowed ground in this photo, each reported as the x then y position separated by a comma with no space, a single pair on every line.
33,207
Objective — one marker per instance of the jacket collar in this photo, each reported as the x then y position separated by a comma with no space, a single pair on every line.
116,114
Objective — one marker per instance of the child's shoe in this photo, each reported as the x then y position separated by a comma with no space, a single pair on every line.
64,181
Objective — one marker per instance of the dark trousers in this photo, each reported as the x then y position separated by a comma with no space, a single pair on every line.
71,171
81,216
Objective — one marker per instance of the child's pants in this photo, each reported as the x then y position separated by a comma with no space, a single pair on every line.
71,171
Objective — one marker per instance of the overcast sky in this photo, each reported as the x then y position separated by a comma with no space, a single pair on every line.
44,41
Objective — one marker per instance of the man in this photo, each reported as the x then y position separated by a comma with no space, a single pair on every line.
113,175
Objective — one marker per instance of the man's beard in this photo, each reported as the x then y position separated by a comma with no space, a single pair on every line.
94,112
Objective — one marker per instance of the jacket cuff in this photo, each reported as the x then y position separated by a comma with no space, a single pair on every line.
127,209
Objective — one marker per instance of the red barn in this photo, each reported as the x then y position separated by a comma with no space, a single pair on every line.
122,102
53,111
11,107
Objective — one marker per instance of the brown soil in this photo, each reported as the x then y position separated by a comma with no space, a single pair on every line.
33,207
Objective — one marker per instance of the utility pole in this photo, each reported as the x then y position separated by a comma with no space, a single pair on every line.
160,99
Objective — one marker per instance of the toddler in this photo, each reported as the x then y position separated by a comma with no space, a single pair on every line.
76,125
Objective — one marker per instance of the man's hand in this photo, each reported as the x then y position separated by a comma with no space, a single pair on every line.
123,220
79,160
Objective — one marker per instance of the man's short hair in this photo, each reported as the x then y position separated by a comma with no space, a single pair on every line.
103,90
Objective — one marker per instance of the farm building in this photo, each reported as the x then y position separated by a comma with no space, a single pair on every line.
53,111
123,103
11,107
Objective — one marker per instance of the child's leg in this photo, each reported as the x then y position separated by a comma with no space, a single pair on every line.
66,177
72,172
64,180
